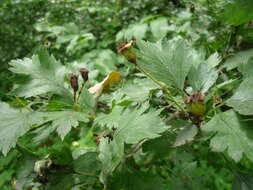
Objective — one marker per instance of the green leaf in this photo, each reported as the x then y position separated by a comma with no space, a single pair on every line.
135,31
242,100
105,61
43,133
159,27
87,142
110,155
87,163
238,12
213,60
139,91
45,75
25,171
110,120
137,180
231,133
159,147
169,62
6,177
61,180
247,68
87,101
133,126
186,135
14,123
63,121
202,76
243,182
238,59
187,176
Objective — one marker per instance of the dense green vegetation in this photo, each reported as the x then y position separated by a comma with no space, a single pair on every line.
126,95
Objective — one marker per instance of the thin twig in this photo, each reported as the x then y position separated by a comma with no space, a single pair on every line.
23,104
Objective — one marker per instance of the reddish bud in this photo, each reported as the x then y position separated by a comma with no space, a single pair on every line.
85,74
74,82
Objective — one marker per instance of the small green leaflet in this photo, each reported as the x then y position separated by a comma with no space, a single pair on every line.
44,74
186,135
242,100
14,123
203,76
168,62
87,101
238,12
133,126
63,121
231,133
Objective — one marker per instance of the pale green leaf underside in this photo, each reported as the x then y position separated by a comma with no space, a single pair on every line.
242,100
231,133
169,62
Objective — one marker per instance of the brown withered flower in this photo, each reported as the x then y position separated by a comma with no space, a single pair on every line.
126,49
74,82
84,73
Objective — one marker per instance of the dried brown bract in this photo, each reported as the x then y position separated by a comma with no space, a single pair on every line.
127,50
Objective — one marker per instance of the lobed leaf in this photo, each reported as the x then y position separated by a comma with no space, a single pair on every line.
44,74
242,100
169,62
14,123
231,133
